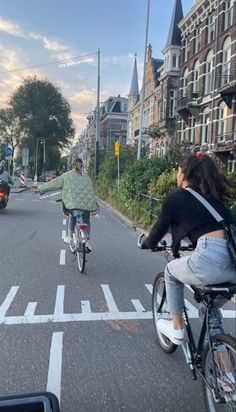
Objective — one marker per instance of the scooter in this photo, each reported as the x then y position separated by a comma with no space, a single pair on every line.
4,191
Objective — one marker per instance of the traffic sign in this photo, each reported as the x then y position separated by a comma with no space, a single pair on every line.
25,157
117,147
8,152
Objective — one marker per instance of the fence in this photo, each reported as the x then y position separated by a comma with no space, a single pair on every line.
150,207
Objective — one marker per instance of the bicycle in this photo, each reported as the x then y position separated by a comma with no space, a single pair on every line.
80,237
212,357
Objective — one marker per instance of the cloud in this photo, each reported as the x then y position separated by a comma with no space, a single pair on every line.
47,43
83,100
11,28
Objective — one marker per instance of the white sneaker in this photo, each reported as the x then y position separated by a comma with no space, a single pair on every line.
88,246
166,328
227,382
68,240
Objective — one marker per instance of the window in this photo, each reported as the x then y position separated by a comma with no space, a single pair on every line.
182,130
208,74
225,78
197,43
228,14
222,115
185,83
192,130
174,61
196,77
172,104
186,50
211,28
205,126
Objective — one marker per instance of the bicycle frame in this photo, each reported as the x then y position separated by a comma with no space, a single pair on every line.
193,352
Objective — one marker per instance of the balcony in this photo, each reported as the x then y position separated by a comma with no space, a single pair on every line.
188,106
225,142
227,85
164,125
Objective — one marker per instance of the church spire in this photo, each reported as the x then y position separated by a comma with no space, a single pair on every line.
174,35
134,91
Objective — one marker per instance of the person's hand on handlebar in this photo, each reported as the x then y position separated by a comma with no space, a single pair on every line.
142,245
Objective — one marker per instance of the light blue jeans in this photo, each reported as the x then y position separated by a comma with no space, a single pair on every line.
84,218
210,263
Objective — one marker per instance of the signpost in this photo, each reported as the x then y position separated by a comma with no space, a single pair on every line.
117,154
25,159
8,152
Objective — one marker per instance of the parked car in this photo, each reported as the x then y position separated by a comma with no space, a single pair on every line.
49,175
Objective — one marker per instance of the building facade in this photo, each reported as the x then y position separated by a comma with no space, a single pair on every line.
207,84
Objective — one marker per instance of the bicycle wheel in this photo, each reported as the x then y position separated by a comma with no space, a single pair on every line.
80,252
72,245
159,310
224,358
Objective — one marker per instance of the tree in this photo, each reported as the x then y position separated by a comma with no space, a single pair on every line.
43,114
10,128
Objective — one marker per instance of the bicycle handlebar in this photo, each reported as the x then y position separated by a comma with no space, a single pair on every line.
161,246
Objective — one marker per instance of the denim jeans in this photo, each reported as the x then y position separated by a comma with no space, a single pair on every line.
210,263
85,218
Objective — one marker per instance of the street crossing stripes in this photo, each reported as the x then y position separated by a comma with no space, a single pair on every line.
85,313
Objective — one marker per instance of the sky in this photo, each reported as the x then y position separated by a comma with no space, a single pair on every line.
35,33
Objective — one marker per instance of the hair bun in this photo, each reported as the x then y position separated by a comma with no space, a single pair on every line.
200,155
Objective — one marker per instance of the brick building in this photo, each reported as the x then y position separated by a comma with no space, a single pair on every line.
207,83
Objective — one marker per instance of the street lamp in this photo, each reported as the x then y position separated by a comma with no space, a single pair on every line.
42,141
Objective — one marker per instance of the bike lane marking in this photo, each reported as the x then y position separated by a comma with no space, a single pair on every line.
8,301
109,299
62,257
55,364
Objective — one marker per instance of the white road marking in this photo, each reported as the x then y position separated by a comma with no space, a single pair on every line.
85,306
138,305
64,222
59,305
62,257
149,288
55,364
35,200
52,194
109,299
228,313
8,301
30,310
63,234
19,198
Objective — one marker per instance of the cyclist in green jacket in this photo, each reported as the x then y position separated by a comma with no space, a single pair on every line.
77,193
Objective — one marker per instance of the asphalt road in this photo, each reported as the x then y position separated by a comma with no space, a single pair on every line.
89,337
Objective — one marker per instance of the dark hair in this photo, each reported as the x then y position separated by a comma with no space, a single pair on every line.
76,162
202,172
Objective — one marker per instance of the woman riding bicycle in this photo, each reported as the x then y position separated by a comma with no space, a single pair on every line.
77,194
210,262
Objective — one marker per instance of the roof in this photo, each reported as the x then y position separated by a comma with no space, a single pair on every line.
174,35
134,83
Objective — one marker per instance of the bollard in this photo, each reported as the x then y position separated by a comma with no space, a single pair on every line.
22,179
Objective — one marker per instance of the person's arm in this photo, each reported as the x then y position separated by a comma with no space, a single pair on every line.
55,184
161,226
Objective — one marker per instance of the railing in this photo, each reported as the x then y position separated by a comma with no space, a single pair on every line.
149,206
227,77
184,101
226,138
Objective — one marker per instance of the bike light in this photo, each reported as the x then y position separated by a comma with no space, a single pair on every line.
2,194
83,227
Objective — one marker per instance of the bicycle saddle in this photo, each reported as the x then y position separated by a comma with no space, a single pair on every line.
221,287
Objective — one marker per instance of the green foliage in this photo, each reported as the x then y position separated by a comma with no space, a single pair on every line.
138,176
43,113
164,184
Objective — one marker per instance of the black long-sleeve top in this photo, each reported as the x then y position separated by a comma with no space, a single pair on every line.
185,216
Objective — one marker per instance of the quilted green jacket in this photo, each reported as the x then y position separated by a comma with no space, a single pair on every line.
77,190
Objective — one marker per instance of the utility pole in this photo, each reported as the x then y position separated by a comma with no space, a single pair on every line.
143,86
97,119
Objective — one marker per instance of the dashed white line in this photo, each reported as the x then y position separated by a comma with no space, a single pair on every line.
149,288
30,310
64,222
109,299
55,365
63,234
85,306
62,257
138,305
8,300
59,305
